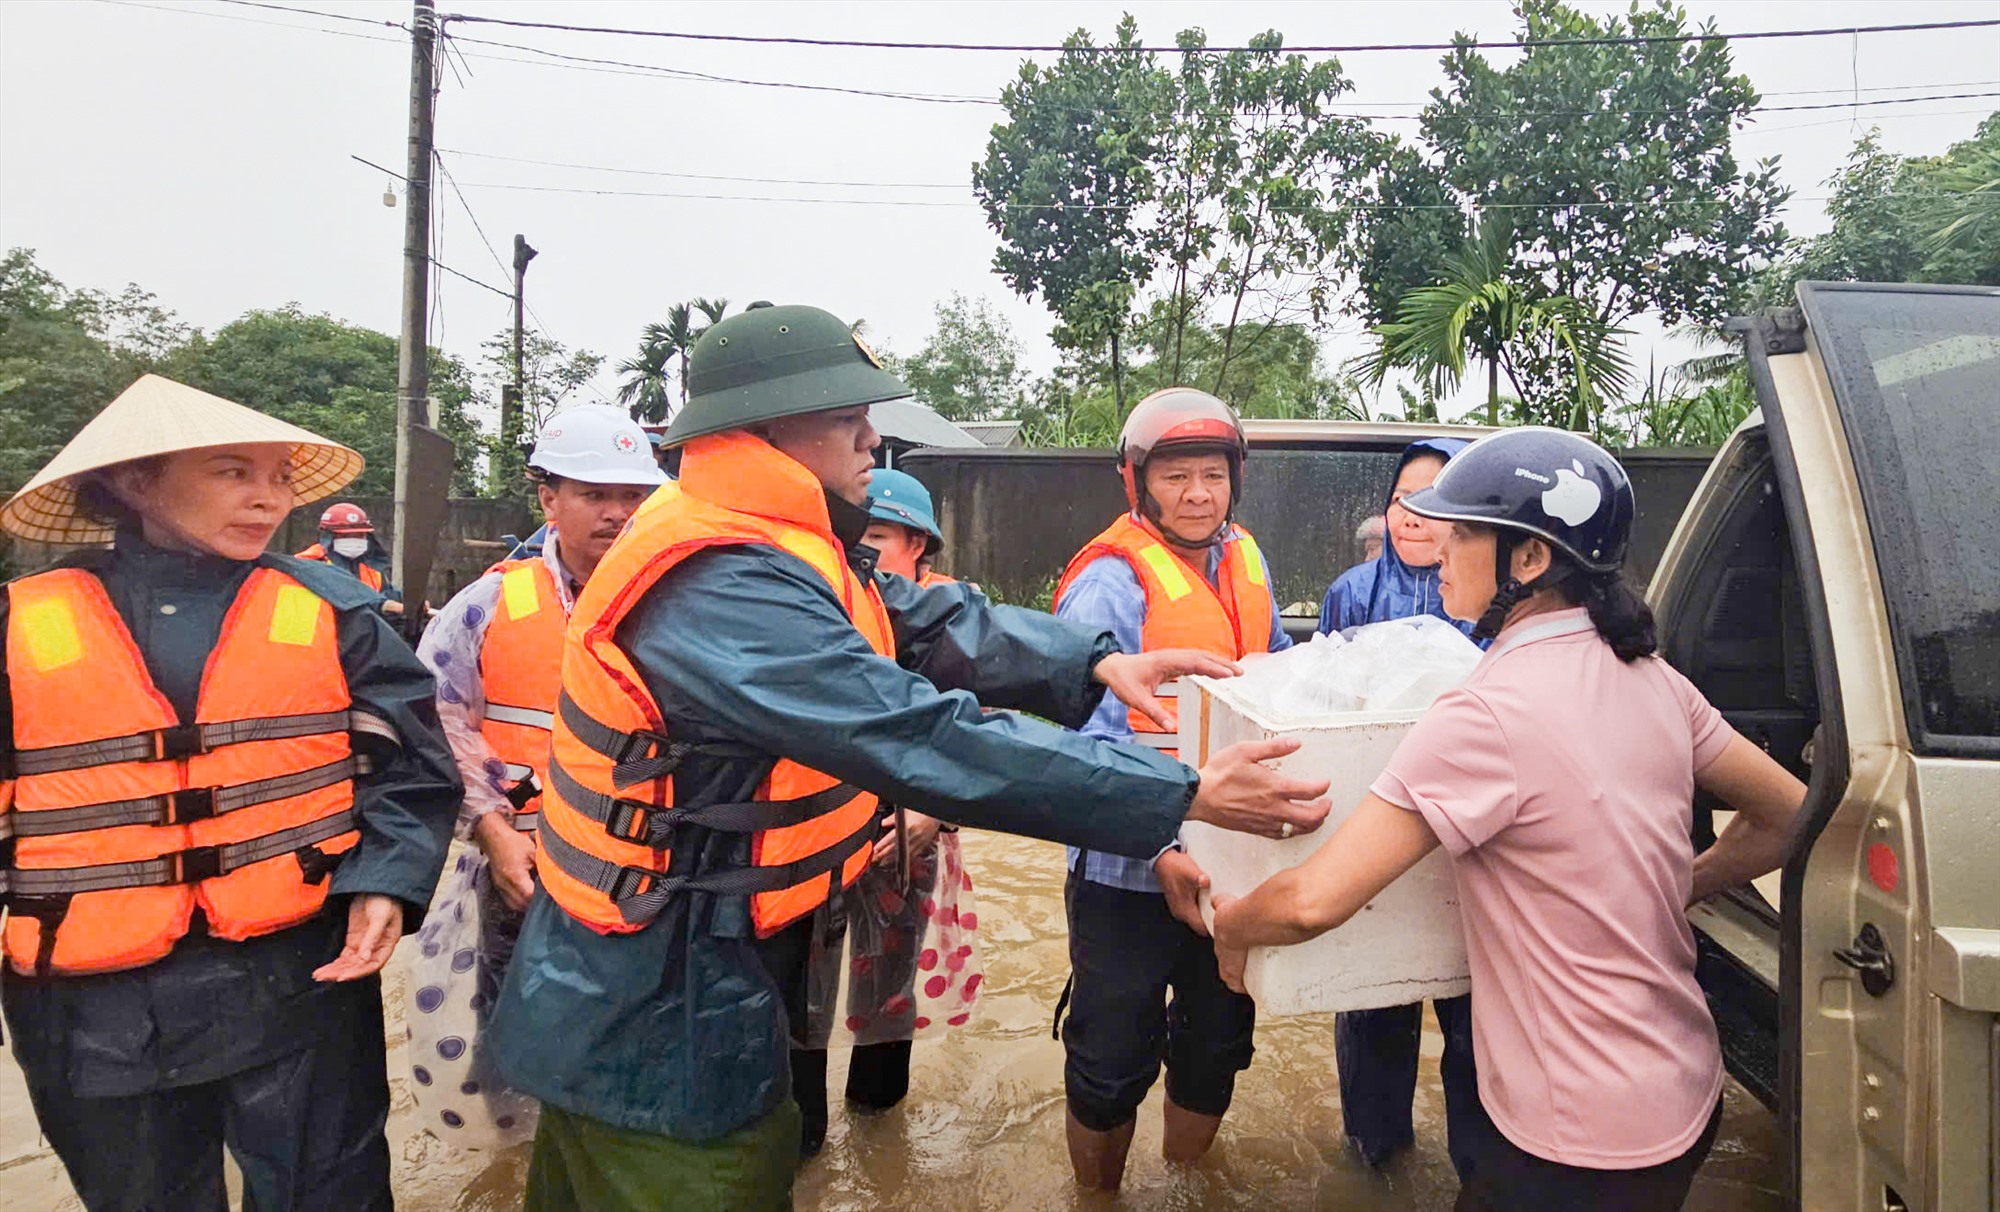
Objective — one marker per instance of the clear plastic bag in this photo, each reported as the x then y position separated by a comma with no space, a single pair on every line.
895,962
1404,664
1400,665
461,955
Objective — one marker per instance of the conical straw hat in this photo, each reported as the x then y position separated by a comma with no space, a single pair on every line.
157,416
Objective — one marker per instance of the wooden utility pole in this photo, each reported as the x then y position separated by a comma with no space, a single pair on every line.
513,402
413,355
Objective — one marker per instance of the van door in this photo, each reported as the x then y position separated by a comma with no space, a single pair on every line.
1732,619
1838,577
1895,1031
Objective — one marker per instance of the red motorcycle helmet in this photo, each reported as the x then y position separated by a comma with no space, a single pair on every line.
345,519
1185,419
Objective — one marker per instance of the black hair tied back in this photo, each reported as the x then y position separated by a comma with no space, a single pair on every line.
1620,615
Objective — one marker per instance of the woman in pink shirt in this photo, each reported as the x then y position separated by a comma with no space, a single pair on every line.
1560,778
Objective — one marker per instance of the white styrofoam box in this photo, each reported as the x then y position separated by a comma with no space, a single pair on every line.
1406,945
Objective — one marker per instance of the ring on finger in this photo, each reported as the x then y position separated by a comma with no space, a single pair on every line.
1285,830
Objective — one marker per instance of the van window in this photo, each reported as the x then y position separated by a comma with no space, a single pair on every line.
1916,374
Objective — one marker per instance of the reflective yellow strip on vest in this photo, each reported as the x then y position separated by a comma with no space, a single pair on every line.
1253,559
1167,570
517,589
295,617
525,717
50,630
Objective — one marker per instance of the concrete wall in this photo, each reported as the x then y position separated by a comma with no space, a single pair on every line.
1013,518
468,546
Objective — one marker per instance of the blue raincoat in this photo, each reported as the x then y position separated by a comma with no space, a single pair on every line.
1376,1050
1387,588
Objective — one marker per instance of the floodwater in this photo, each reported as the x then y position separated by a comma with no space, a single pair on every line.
983,1126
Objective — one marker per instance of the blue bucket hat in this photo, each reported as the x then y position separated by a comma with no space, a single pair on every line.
898,497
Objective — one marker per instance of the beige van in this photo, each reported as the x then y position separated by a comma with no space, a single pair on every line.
1834,588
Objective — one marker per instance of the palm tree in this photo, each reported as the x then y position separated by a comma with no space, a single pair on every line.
662,347
1474,309
712,308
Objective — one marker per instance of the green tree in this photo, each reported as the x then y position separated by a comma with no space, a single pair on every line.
1612,162
1905,219
1063,181
663,350
336,379
1279,375
64,354
1251,212
551,374
1476,310
970,367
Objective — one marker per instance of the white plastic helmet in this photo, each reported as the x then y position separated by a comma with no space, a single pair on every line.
597,444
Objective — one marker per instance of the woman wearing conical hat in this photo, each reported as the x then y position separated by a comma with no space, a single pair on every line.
227,797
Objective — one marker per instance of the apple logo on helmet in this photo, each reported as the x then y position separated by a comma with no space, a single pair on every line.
1574,499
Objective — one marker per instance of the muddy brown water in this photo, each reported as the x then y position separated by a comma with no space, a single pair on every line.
983,1126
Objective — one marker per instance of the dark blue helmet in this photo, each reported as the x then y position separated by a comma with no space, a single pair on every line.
1550,483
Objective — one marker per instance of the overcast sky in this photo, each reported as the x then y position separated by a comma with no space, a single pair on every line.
203,150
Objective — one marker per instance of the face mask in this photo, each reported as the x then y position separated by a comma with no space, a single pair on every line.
350,549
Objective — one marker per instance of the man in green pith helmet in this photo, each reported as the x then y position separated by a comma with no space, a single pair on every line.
741,690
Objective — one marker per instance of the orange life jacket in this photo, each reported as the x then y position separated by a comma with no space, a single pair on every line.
126,819
521,666
1231,618
609,812
368,574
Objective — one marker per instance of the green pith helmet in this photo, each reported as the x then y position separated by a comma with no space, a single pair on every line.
767,362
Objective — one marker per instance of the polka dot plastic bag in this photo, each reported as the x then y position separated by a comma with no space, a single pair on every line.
894,960
461,956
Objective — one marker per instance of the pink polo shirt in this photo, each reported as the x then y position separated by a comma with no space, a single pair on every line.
1561,781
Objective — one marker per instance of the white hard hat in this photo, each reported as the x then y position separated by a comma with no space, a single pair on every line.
597,444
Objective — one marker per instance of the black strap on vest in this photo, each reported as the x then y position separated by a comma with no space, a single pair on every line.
186,806
641,756
644,824
177,743
179,867
640,894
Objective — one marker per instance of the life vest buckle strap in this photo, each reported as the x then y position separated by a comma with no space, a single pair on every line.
179,742
634,822
527,822
195,865
524,791
193,804
631,883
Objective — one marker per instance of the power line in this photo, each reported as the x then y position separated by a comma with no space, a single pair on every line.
1474,43
626,67
313,12
541,325
648,172
467,207
505,294
1332,204
651,172
309,29
584,62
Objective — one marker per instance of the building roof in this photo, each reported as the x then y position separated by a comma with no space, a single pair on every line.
914,424
994,433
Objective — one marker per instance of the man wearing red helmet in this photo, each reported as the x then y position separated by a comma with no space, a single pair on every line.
347,541
1175,572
